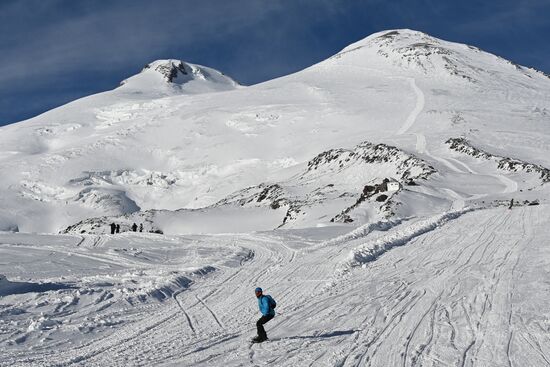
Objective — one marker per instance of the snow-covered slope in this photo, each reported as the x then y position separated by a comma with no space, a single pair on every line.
335,183
392,198
442,296
182,136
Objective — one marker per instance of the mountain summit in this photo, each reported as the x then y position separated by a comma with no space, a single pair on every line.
406,50
178,77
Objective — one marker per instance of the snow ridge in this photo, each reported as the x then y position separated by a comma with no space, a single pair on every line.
462,145
360,232
407,165
371,250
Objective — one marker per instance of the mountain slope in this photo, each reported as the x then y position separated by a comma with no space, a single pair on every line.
157,143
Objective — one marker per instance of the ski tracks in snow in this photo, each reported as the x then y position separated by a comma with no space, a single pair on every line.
448,297
457,306
419,106
443,299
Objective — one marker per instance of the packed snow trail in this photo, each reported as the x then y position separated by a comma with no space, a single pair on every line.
447,297
419,106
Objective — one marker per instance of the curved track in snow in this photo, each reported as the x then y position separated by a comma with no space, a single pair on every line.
419,106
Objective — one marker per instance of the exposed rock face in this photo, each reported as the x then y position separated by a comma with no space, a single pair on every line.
462,145
369,191
177,77
407,165
170,70
337,166
382,198
263,194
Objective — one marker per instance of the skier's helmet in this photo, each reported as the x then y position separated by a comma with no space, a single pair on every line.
258,290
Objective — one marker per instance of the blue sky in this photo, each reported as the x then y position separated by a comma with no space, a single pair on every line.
55,51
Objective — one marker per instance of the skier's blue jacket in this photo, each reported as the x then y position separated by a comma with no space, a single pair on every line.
265,306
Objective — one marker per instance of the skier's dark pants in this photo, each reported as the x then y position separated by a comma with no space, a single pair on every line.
260,326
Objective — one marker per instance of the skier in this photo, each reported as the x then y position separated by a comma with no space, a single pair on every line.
267,308
141,227
118,228
511,204
113,226
134,227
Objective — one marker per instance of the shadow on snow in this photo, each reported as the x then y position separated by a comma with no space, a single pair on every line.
331,334
8,288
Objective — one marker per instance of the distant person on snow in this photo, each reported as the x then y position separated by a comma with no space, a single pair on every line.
134,227
511,204
113,227
141,227
118,228
267,308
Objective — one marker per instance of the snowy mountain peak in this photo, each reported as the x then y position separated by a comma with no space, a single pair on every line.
393,38
180,77
405,50
172,70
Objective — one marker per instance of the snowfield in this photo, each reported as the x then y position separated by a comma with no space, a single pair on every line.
445,297
393,199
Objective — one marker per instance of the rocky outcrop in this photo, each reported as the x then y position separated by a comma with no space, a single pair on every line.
462,145
407,166
170,70
376,192
338,166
